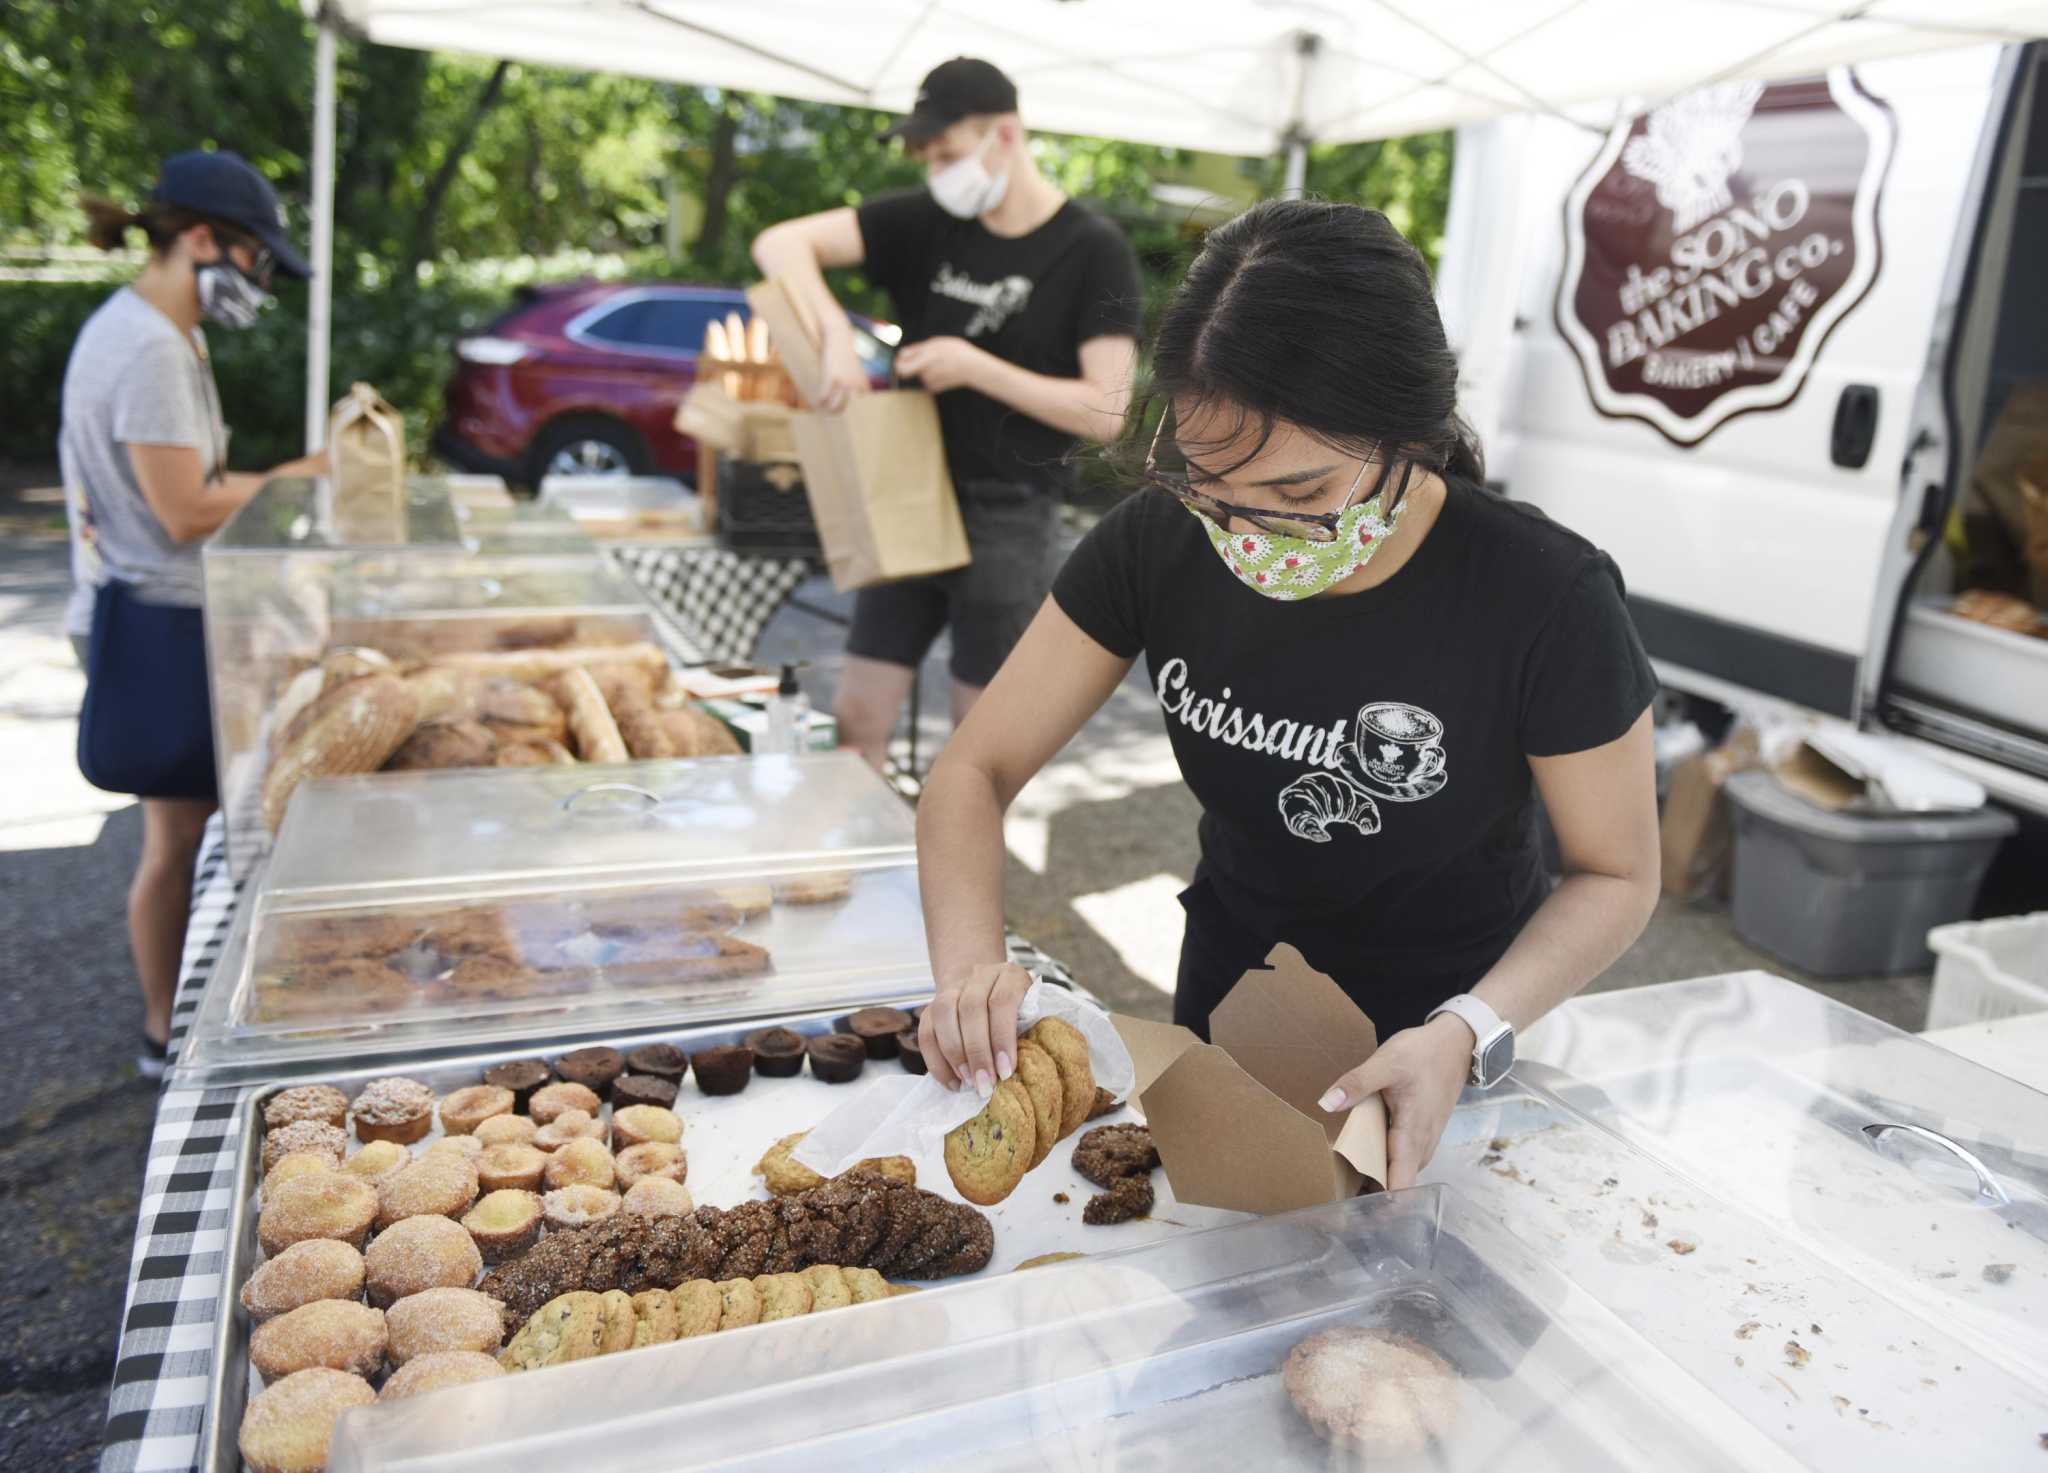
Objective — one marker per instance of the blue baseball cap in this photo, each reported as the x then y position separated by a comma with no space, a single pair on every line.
227,187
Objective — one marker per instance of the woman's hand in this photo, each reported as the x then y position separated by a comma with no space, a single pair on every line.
969,1031
1419,1071
941,364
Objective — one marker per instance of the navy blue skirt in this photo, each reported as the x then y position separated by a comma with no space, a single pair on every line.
147,724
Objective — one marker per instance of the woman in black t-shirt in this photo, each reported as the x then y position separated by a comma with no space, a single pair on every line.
1369,666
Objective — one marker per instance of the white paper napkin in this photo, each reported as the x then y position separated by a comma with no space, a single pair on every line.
910,1115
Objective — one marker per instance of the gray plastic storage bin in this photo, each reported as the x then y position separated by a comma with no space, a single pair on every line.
1852,894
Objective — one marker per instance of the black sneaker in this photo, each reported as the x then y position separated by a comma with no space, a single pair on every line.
151,1058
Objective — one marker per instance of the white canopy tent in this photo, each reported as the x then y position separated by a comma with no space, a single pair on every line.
1248,77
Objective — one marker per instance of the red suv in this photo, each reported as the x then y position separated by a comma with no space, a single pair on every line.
585,380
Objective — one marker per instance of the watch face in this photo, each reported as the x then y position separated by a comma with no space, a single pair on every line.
1496,1057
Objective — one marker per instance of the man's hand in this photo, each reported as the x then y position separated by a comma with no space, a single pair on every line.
1419,1072
845,374
942,363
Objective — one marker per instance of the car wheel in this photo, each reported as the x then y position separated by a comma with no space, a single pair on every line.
589,447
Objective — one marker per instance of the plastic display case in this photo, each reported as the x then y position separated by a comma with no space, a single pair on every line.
421,913
631,509
1168,1355
282,589
1920,1175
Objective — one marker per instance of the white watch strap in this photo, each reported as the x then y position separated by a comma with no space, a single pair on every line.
1481,1019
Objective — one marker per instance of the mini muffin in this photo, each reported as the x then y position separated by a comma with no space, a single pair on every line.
636,1125
657,1196
504,1223
577,1207
778,1052
417,1254
550,1100
878,1028
436,1320
298,1163
594,1068
521,1076
439,1368
321,1102
651,1158
468,1147
506,1130
318,1268
315,1136
642,1089
910,1052
516,1168
466,1109
287,1427
836,1058
393,1109
329,1204
439,1182
723,1069
661,1060
570,1125
580,1163
377,1160
336,1333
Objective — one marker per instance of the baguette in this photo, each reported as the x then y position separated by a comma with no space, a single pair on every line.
354,728
639,727
539,664
590,719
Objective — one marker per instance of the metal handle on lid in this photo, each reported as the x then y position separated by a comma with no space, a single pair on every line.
1988,1186
649,801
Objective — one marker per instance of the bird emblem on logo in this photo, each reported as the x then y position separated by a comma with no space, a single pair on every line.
1690,148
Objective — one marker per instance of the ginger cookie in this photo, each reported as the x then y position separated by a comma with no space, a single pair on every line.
741,1304
988,1156
1069,1051
567,1328
1041,1078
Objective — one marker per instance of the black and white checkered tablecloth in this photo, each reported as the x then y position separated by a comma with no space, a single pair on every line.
720,600
164,1367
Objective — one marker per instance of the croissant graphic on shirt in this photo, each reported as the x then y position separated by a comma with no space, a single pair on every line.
1315,801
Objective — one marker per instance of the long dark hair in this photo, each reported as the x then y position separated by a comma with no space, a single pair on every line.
108,224
1319,314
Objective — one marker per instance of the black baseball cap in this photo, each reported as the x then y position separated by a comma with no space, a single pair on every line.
227,187
950,91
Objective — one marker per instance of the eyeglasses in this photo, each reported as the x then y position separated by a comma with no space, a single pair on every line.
1311,526
262,260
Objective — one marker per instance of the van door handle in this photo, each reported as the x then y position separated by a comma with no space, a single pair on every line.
1855,426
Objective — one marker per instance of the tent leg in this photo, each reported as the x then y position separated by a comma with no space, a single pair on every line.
320,298
1296,172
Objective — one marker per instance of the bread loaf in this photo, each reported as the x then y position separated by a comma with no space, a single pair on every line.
626,693
541,753
355,728
539,664
443,744
590,719
697,733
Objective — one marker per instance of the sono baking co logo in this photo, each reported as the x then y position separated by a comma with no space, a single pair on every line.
1714,244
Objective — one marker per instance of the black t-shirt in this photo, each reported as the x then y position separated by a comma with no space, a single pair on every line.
1396,723
1032,300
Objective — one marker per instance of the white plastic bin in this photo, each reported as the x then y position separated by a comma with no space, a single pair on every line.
1989,969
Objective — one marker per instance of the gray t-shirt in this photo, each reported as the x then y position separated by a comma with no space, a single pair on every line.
133,379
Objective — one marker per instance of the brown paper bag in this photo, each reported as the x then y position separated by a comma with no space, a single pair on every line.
875,472
366,444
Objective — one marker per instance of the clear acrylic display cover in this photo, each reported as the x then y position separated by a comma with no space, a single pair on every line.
1916,1172
283,588
419,913
1165,1356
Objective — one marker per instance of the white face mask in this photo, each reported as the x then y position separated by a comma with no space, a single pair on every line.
228,296
965,188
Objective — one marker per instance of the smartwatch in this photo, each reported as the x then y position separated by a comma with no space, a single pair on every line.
1494,1052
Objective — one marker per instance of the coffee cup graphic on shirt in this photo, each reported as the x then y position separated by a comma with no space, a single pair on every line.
1397,751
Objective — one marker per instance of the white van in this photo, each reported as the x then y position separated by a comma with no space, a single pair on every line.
1783,350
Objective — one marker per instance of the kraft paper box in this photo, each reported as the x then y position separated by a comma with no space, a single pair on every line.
366,452
1694,833
1236,1120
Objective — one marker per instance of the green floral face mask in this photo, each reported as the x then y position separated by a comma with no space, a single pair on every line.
1290,568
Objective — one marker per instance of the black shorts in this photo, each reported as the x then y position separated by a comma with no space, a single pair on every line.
1012,530
146,727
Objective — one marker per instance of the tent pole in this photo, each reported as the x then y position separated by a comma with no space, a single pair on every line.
1296,174
320,299
1294,142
